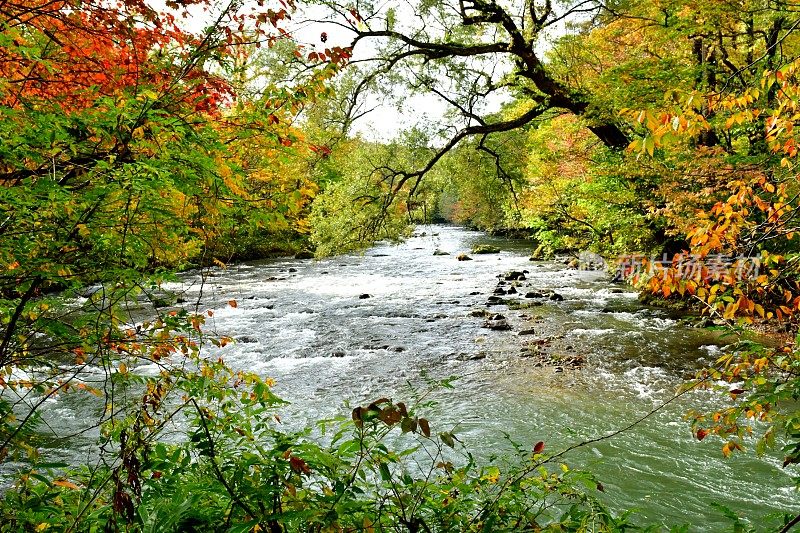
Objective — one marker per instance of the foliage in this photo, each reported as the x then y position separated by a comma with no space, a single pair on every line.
385,469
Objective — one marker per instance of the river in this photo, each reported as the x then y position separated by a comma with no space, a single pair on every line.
305,324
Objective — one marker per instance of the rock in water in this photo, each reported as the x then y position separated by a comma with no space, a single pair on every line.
440,252
514,276
464,257
364,297
497,325
485,249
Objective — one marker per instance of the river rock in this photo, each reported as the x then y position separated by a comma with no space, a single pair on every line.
534,294
514,276
556,297
463,257
527,332
479,313
339,353
485,249
541,253
292,270
440,252
364,296
247,340
511,290
500,290
497,325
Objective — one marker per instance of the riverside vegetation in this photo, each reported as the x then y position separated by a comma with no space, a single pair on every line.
137,141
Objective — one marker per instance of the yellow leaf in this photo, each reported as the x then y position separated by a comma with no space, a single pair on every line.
123,369
650,145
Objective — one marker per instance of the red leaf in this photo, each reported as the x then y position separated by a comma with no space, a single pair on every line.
539,447
424,427
298,465
701,434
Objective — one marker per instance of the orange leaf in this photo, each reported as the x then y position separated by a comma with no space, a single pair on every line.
233,303
66,484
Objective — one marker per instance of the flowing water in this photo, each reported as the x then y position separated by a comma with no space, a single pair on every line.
305,324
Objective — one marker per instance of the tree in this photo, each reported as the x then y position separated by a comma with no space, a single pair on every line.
122,158
470,52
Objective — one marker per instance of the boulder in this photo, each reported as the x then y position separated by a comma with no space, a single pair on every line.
364,296
556,297
485,249
440,252
514,276
541,253
464,257
534,294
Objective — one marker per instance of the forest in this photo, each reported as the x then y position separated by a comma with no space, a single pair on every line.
163,162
